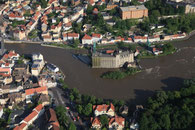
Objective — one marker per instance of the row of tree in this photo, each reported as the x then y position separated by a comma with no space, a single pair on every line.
170,110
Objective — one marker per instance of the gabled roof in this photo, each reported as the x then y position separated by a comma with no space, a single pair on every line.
30,116
39,108
73,35
103,107
35,90
20,127
95,121
96,35
119,120
87,37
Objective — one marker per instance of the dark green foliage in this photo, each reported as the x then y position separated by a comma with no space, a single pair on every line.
163,8
75,43
15,23
104,120
61,115
170,110
72,126
167,48
120,74
87,109
43,3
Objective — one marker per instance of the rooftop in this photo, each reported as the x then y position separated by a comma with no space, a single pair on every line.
133,8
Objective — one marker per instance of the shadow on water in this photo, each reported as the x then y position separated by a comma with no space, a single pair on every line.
170,84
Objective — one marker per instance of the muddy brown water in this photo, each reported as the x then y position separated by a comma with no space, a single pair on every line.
163,73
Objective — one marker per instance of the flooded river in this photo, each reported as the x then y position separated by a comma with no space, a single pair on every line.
163,73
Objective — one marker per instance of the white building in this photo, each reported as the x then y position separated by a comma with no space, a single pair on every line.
96,37
52,68
87,39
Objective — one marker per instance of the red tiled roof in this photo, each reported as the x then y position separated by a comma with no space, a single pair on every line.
86,37
139,37
95,10
47,37
73,35
35,90
30,116
21,127
103,107
39,107
119,120
96,35
95,121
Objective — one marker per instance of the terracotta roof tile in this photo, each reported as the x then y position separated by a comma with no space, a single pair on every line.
86,37
30,116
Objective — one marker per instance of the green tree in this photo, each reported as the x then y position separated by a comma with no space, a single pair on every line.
104,120
76,42
79,109
72,126
87,109
61,115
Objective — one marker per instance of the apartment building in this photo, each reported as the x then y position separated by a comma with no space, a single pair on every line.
133,12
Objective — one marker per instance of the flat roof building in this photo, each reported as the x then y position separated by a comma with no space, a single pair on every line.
133,12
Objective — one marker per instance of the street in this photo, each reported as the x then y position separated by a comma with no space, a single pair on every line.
62,99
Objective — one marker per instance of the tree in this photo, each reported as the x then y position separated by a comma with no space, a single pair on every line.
79,109
61,115
87,109
43,3
72,126
165,122
104,120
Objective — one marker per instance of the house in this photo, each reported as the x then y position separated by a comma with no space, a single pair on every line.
47,38
52,68
116,123
96,37
5,71
51,120
140,39
31,92
70,36
154,38
44,99
36,113
1,111
128,40
20,70
95,11
124,110
104,109
19,34
91,2
67,26
111,5
95,123
14,99
87,40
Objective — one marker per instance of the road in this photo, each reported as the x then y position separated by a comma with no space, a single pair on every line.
61,98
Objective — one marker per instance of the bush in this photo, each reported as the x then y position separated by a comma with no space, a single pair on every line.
120,74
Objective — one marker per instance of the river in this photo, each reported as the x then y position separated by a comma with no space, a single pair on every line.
163,73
